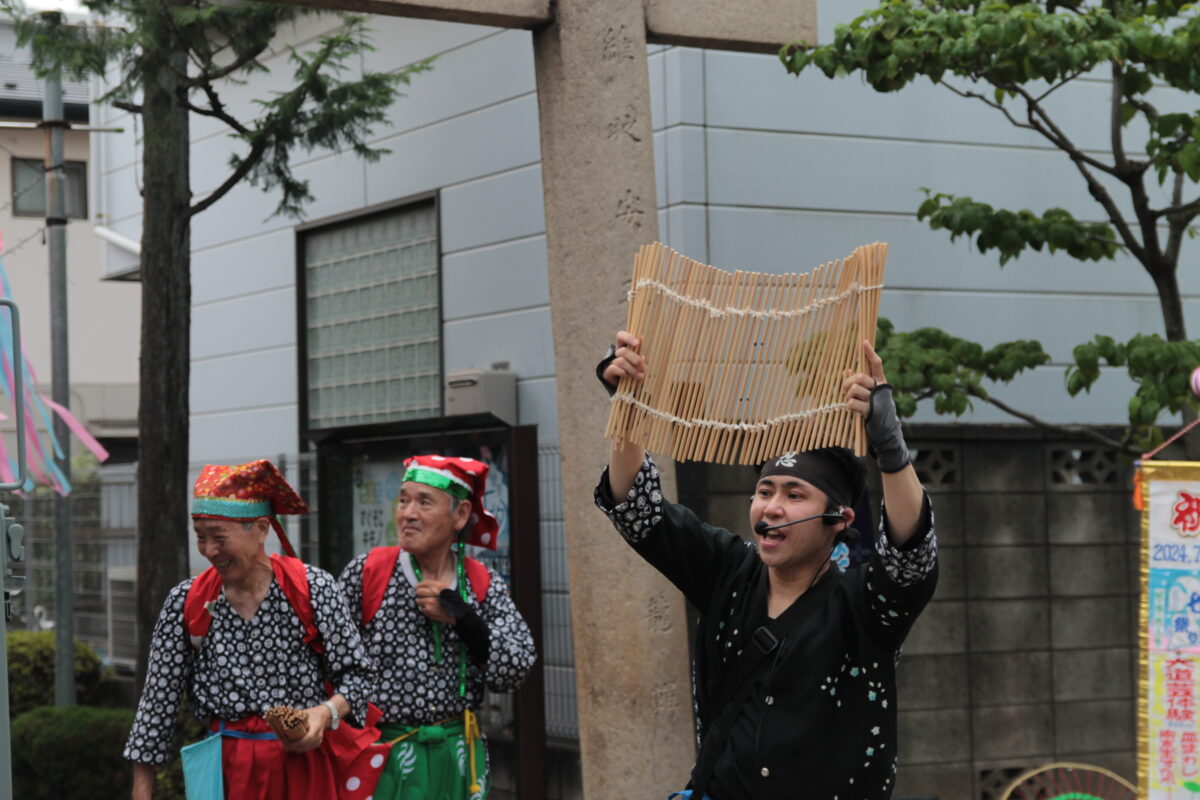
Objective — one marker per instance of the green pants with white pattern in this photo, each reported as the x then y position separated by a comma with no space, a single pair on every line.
432,762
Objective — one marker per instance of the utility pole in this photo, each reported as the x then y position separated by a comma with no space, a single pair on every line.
54,123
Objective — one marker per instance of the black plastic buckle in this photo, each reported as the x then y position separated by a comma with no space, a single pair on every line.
764,640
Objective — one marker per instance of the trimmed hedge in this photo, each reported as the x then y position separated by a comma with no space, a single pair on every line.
31,672
71,752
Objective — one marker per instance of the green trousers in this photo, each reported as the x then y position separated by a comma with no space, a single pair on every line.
432,762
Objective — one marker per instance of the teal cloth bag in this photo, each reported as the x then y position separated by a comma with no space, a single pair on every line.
202,774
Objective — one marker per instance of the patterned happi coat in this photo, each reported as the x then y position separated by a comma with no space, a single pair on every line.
412,687
243,667
820,720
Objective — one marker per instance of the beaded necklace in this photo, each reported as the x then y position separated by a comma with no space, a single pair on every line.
461,577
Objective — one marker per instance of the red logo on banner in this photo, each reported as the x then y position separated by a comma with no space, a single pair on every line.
1187,515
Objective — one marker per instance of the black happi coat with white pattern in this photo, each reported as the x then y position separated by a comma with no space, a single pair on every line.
820,721
413,686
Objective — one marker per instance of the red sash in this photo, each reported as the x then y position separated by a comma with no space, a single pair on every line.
345,767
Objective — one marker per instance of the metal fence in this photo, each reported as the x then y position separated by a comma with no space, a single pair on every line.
557,648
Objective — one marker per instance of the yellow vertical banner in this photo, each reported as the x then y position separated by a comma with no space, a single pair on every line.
1169,632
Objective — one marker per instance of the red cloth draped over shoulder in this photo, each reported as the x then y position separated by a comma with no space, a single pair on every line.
292,578
381,563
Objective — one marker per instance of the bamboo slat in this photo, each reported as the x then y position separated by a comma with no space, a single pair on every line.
744,366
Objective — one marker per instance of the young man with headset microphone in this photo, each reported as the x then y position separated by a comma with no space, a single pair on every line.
794,664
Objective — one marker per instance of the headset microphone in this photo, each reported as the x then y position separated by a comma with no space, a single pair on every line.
829,518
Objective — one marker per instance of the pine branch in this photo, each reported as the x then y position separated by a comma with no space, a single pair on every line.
241,171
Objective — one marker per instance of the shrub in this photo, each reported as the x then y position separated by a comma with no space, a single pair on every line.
73,752
31,671
168,779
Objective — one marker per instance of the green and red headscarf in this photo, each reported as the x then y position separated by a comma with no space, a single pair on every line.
462,479
245,492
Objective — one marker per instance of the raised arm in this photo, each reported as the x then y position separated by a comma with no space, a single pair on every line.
870,396
624,461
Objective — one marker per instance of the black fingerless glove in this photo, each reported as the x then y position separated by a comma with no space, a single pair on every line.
883,431
469,626
609,357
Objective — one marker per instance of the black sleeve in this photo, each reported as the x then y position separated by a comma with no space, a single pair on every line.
691,554
899,580
468,624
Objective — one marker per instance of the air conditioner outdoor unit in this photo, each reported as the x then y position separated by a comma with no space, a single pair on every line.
478,391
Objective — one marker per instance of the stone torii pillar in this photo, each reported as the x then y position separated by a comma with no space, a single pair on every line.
631,664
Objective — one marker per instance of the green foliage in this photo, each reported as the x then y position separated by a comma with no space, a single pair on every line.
71,752
31,671
1011,232
931,364
168,779
321,109
1161,370
1012,56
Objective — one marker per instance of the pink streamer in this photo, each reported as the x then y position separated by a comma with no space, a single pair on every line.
77,428
34,445
6,472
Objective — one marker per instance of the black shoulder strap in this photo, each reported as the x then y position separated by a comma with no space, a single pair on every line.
737,685
766,640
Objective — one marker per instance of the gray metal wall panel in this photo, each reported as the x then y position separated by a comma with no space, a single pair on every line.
256,264
485,142
245,324
756,92
786,240
271,373
457,84
493,209
503,277
521,338
783,170
1059,322
685,228
235,436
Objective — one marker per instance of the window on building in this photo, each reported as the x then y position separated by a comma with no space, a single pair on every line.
373,325
29,191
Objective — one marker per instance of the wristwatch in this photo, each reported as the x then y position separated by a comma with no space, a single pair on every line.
335,719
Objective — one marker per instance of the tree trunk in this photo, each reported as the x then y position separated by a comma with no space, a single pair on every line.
1175,328
166,318
1171,304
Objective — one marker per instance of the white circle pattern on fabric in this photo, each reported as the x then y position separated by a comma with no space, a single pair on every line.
353,783
231,675
411,687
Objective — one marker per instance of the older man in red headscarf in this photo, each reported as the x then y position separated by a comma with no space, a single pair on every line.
252,633
441,627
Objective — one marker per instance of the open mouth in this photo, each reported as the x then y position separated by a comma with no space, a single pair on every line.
772,537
